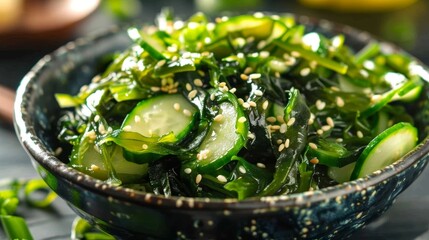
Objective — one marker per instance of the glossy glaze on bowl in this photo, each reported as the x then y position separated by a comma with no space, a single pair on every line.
333,212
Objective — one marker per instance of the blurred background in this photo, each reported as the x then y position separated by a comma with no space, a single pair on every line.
30,29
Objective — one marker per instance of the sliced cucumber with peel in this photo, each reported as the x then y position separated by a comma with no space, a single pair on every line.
92,164
224,138
341,174
159,116
385,149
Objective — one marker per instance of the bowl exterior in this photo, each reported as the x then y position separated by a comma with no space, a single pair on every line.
334,212
332,218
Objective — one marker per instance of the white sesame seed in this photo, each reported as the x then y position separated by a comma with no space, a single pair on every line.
251,135
279,141
137,119
145,146
258,93
242,169
198,82
339,101
101,129
252,104
304,72
222,178
261,44
83,88
205,54
264,54
359,134
271,119
160,63
187,112
242,119
58,151
283,128
96,79
369,65
172,48
212,96
313,64
248,70
250,39
187,170
127,128
339,140
320,105
188,87
186,55
281,147
330,121
312,145
244,77
291,121
295,54
97,118
290,61
218,118
198,178
265,105
260,165
326,128
192,94
364,73
246,105
176,106
255,75
311,119
240,100
222,84
275,127
155,89
335,89
94,167
320,131
287,142
232,90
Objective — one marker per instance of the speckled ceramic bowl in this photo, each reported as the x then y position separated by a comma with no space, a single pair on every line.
334,212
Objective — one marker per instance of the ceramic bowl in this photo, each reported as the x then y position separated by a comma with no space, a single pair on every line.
333,212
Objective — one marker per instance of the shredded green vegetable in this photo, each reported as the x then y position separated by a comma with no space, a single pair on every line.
82,229
13,191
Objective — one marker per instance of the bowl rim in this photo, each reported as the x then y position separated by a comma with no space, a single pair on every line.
35,148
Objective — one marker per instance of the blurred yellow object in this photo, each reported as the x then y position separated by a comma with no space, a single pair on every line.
358,5
10,11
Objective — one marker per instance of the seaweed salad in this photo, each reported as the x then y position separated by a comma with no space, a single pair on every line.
238,107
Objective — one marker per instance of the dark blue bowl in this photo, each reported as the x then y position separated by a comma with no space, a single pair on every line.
333,212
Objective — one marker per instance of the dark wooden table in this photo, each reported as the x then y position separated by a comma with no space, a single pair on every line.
407,219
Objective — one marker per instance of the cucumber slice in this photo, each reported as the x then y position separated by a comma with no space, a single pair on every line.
246,26
385,149
224,138
341,174
157,117
92,164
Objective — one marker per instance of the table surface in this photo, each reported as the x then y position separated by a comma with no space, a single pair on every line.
407,219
